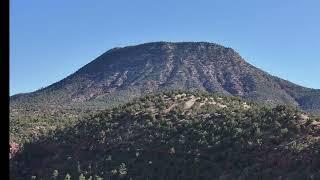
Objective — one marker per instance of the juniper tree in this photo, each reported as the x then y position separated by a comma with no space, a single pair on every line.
122,169
81,177
55,174
67,177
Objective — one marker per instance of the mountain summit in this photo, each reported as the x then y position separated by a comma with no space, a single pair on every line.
120,74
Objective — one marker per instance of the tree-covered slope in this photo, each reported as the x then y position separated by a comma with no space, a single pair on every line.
179,135
121,74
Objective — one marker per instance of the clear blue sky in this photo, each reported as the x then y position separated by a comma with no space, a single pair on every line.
52,39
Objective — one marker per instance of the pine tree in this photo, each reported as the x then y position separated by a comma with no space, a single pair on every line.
81,177
55,174
78,167
172,150
99,178
67,177
122,169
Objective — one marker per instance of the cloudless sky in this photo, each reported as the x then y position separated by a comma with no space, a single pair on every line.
51,39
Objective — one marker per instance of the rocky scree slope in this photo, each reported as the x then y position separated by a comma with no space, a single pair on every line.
123,73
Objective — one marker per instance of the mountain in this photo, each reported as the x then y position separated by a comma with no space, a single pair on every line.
179,135
123,73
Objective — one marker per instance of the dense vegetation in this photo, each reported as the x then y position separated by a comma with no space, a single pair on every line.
178,135
121,74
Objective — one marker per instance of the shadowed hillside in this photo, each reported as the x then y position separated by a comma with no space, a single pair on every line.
179,135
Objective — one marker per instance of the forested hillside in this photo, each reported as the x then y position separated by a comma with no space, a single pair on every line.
178,135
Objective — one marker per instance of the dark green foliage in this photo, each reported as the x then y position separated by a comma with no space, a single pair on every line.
67,177
180,135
